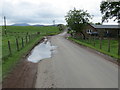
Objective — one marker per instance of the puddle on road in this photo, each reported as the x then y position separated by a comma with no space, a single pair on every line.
41,51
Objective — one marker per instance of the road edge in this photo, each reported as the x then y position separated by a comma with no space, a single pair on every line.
106,57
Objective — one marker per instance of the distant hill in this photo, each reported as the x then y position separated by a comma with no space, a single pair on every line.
53,25
20,24
25,24
37,25
44,25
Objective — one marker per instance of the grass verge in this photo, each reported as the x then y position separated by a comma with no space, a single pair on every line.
90,46
12,60
19,32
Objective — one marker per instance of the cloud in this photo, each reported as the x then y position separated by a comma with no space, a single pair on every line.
45,11
30,12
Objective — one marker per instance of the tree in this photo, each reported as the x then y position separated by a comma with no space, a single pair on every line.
61,27
98,23
77,19
110,10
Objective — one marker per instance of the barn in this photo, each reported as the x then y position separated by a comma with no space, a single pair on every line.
104,30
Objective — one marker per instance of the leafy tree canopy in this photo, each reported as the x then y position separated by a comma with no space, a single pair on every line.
98,23
76,19
61,27
109,10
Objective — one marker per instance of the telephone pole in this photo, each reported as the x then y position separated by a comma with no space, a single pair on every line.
5,24
54,22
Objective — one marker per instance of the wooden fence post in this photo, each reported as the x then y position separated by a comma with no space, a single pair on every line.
26,39
22,43
17,44
100,42
94,41
27,33
9,47
89,39
108,44
5,32
38,32
29,37
119,45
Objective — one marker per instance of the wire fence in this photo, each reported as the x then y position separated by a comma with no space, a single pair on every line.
105,44
13,43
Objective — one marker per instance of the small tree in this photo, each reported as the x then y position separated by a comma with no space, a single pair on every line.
76,20
98,23
61,27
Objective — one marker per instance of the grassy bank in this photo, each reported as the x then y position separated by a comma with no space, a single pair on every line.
19,32
114,46
11,61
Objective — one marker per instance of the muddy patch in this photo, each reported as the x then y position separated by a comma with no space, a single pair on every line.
23,76
24,73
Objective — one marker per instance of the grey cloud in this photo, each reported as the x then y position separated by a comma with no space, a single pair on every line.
31,13
45,11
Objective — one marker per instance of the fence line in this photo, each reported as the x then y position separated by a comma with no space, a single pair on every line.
106,44
9,47
19,43
21,39
26,39
22,43
100,42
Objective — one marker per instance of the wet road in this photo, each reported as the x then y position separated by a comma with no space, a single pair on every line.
72,66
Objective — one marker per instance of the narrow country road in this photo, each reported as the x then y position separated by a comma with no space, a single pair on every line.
72,66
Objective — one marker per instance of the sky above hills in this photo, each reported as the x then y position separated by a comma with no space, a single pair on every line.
45,11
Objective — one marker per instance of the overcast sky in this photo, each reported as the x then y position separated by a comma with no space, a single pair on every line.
45,11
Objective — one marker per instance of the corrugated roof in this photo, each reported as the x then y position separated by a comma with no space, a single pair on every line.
106,26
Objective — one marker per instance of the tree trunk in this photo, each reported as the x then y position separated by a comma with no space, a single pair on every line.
83,35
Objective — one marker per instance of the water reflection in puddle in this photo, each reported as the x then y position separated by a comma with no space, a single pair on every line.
41,51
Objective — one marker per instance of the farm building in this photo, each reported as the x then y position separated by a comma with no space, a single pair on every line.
105,30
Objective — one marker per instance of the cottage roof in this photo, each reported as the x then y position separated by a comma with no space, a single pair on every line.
106,26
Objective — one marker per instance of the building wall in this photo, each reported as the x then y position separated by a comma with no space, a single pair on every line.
102,32
108,32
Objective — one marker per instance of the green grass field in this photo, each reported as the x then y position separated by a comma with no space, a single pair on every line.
20,32
90,43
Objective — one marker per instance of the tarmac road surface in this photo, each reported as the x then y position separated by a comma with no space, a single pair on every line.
72,66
